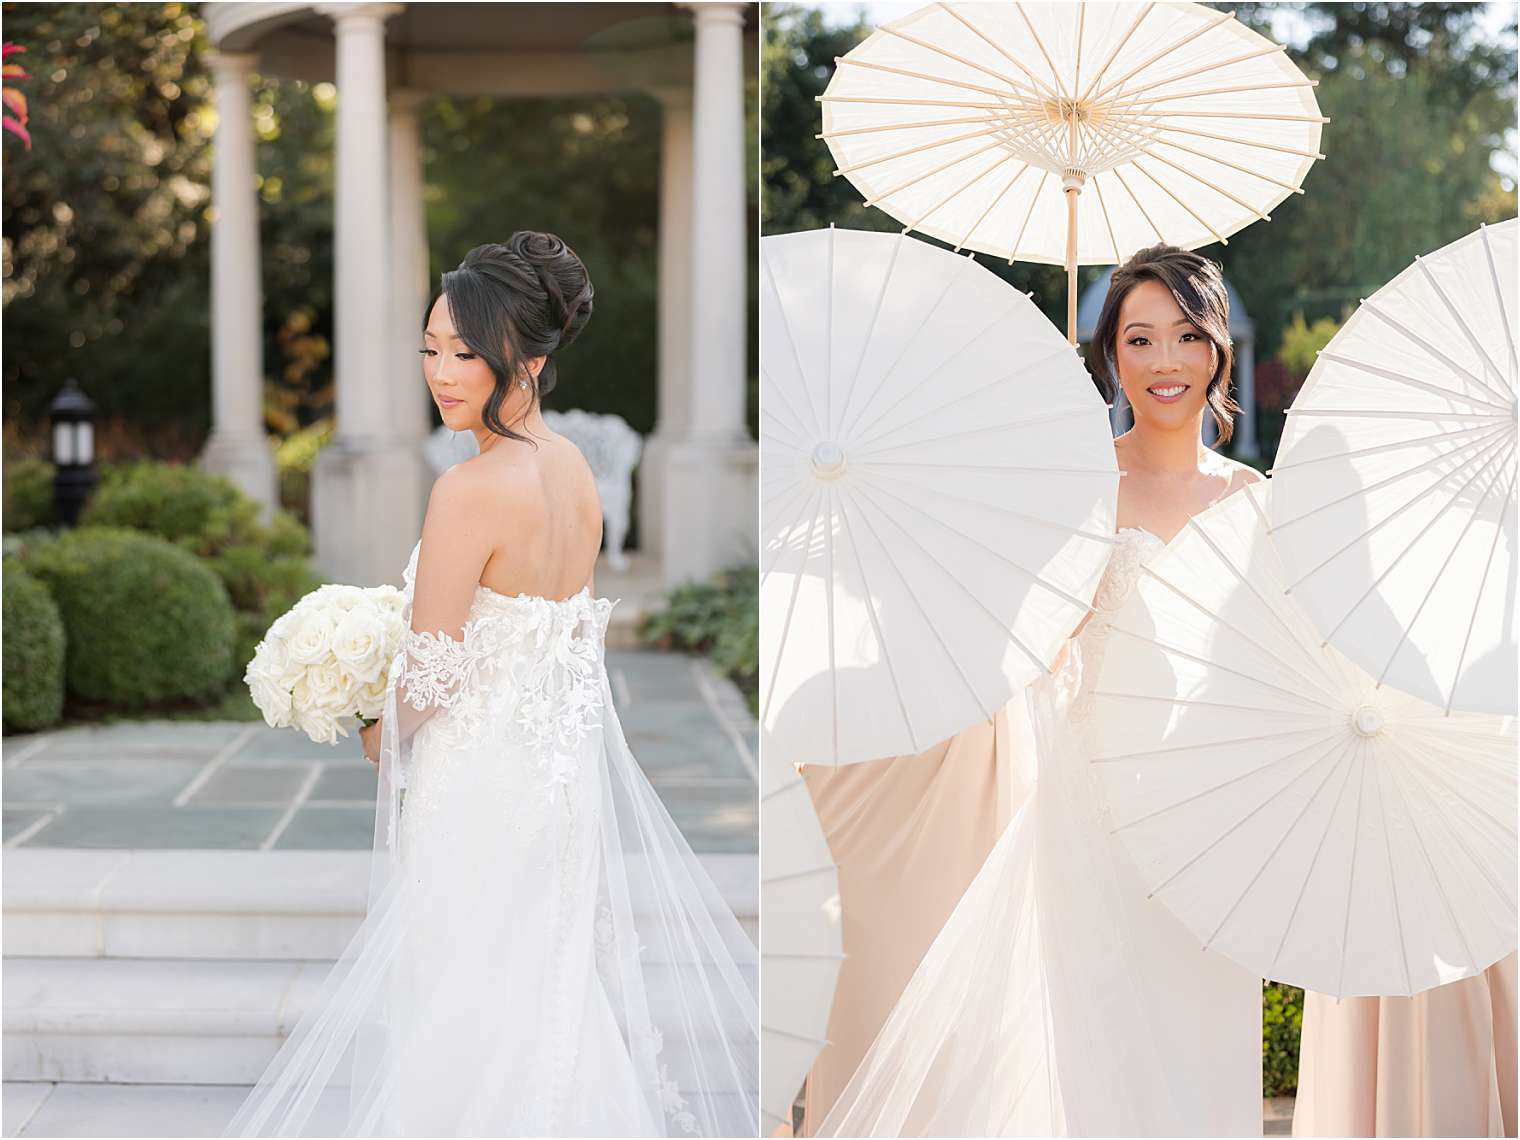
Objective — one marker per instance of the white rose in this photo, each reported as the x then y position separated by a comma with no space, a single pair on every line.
359,642
324,684
320,725
372,699
311,640
271,697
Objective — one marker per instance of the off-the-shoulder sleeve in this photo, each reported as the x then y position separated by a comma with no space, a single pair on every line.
435,669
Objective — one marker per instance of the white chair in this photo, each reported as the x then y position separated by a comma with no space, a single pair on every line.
611,447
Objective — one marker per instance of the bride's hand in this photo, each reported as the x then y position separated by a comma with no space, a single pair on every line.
370,737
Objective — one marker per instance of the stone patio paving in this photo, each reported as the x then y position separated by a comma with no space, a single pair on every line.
164,784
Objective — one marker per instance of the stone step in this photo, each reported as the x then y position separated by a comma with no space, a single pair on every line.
255,905
161,1020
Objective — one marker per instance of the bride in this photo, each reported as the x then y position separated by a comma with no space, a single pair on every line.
543,955
1058,1000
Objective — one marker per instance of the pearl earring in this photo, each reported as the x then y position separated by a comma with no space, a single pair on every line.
522,384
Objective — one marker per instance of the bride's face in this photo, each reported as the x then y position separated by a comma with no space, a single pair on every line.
1164,361
460,382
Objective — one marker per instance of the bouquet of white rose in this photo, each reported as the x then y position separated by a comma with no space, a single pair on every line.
327,659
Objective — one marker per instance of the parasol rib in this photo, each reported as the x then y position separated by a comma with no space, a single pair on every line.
1488,565
786,626
1414,826
1393,881
1309,871
1401,414
965,237
1415,338
1124,757
1410,381
869,597
1229,831
1356,830
1492,437
1381,448
1002,51
770,277
944,81
1274,49
1039,43
1044,175
1107,221
1506,317
876,199
948,365
1485,466
1135,198
1219,237
958,191
881,296
1436,577
1032,575
1016,425
974,120
1118,47
948,54
828,539
950,282
867,163
1196,177
1202,29
1175,652
918,605
1150,103
1472,337
1167,128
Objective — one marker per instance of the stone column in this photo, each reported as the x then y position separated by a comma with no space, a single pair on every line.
709,491
409,293
361,528
237,447
1245,443
673,414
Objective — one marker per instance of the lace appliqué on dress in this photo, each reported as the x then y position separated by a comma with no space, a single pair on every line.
1134,549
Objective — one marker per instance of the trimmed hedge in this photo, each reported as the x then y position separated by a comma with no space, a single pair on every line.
145,621
264,566
33,651
28,494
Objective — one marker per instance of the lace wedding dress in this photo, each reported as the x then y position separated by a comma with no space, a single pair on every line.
543,955
1058,1000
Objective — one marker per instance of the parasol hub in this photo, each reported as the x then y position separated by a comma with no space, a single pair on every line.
1368,720
1072,179
828,460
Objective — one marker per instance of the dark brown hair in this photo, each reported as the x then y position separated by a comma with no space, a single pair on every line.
1197,285
514,300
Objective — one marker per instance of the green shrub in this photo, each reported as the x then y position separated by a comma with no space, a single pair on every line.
33,652
1301,343
145,621
1282,1020
720,618
28,494
263,565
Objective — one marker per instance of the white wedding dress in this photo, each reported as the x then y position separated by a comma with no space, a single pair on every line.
543,955
1058,1000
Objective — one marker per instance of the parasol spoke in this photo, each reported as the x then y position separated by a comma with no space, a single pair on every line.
1032,575
1488,565
1108,222
965,237
829,600
1381,448
1015,425
1169,128
786,625
1356,831
814,497
876,199
1472,337
1266,802
1411,382
1416,339
1172,750
958,191
1112,55
881,296
1435,578
1174,651
954,579
1033,201
1150,102
1486,465
1196,177
798,370
1435,877
1219,237
1135,198
948,54
866,164
1489,439
1039,84
974,120
943,81
1273,49
1271,855
1393,881
868,595
1202,29
1507,318
1039,43
1400,414
948,365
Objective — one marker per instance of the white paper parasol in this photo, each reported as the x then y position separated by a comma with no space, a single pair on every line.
1395,507
1071,133
800,947
1295,817
937,494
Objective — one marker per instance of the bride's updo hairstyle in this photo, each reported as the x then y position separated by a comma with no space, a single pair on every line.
1197,285
514,300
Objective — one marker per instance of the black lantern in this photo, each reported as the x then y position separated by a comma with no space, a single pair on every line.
74,475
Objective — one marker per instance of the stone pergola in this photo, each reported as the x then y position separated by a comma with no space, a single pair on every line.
697,482
1243,445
